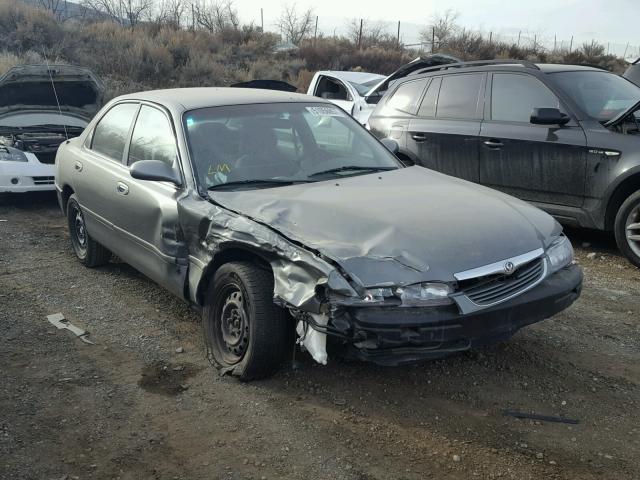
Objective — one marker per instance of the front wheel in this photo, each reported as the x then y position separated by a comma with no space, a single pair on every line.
246,334
627,228
89,252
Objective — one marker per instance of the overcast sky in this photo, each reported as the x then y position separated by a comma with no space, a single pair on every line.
614,21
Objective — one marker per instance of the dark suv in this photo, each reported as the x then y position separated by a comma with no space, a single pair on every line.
565,138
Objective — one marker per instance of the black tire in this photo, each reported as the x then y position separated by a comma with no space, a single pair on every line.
246,334
89,252
628,240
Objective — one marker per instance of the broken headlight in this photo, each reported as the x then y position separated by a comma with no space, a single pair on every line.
8,154
559,254
425,294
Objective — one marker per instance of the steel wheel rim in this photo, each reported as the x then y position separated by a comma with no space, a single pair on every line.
632,230
232,331
79,229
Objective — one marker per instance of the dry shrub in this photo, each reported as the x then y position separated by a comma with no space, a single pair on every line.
23,28
154,55
8,60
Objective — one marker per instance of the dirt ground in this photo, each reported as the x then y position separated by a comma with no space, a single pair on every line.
132,407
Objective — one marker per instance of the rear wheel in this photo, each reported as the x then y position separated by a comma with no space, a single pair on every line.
246,334
627,228
89,252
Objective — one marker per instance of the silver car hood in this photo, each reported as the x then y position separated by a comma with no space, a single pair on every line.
31,88
399,227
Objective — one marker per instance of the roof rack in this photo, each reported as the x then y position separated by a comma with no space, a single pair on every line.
479,63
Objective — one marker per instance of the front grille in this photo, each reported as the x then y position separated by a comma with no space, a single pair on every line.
43,180
46,157
496,288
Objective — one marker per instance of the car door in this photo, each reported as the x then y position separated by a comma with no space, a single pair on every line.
336,92
444,134
96,173
539,163
147,215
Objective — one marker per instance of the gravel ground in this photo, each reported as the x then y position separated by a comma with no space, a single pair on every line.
143,403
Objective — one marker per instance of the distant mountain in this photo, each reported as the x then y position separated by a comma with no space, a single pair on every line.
66,9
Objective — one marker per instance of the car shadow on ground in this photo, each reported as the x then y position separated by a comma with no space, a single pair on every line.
594,240
29,200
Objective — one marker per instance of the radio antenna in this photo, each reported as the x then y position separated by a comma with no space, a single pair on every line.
55,94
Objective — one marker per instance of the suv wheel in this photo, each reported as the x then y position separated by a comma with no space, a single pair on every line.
627,228
89,252
246,334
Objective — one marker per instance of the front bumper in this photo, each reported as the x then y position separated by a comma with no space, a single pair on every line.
29,176
395,335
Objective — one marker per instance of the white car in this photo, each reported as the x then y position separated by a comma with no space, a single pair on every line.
347,90
358,92
41,106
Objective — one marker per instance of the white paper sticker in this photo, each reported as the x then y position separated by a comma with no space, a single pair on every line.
327,111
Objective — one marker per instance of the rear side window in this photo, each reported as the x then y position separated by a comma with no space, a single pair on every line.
407,96
152,138
459,96
428,106
514,96
110,135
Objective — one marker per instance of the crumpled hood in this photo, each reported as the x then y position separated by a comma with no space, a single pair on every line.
399,227
31,88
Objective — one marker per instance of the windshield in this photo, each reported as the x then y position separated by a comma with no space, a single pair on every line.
363,88
601,95
279,143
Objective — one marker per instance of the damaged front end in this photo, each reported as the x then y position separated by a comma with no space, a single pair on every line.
390,323
301,278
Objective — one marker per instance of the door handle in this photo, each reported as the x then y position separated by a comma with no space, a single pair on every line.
419,137
78,166
122,188
494,144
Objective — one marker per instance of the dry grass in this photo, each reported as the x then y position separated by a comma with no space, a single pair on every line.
156,56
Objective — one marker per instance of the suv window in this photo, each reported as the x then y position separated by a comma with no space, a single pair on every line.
407,96
152,138
459,96
514,96
428,106
110,134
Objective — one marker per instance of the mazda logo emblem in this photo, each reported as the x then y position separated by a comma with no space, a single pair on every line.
509,268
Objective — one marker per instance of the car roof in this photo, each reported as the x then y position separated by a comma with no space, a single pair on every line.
358,77
512,66
558,67
182,99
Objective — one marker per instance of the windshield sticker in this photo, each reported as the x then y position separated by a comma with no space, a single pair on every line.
219,168
190,121
324,111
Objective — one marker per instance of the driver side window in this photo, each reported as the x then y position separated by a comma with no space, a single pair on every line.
331,89
152,138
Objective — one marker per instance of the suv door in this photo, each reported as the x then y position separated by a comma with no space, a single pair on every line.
444,135
538,163
96,175
147,214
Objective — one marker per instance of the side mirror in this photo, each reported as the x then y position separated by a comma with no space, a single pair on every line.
155,170
373,99
391,145
548,116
